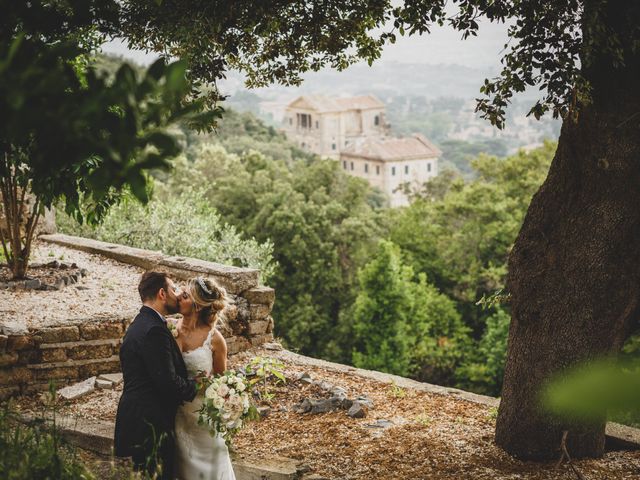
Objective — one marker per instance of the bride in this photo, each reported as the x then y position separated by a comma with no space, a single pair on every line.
198,454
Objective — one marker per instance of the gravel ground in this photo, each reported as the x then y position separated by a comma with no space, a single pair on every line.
109,290
431,436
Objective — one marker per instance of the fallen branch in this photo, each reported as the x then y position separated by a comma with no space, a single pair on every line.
565,454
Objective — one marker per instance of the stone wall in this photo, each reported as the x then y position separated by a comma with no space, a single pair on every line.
63,354
73,351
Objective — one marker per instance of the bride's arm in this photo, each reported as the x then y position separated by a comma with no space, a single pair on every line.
219,348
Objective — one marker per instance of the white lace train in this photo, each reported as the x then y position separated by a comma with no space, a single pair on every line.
198,454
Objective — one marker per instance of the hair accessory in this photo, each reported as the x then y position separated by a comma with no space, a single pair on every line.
203,286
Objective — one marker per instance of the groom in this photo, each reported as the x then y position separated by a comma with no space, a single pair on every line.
155,381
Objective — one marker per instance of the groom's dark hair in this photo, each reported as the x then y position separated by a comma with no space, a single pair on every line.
151,283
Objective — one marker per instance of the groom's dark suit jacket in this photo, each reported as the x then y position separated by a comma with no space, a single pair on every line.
155,383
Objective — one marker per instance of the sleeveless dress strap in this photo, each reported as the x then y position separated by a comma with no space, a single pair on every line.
207,341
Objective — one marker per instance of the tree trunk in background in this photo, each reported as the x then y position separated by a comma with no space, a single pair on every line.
574,272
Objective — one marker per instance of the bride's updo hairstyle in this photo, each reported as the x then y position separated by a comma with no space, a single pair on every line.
208,297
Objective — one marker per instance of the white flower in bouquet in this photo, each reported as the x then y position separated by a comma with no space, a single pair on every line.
223,390
211,392
227,405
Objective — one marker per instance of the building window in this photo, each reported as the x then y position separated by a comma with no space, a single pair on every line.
393,170
351,165
302,145
406,169
346,142
344,164
376,120
317,124
377,169
333,146
428,166
366,168
303,120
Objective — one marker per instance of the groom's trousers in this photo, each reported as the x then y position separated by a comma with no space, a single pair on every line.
156,457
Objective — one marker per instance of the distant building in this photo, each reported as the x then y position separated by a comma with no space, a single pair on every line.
389,163
327,125
354,131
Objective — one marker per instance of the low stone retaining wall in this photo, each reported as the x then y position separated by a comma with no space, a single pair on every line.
73,351
62,354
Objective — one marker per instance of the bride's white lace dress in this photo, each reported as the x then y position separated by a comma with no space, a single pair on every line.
198,454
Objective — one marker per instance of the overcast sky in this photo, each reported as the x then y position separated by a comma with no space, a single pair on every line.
442,45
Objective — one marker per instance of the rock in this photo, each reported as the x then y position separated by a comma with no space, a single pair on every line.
60,334
8,359
303,407
304,377
380,424
259,311
326,386
53,264
32,284
364,400
80,287
261,339
115,378
17,343
264,411
78,390
74,265
104,384
264,295
325,405
84,272
338,391
273,346
258,327
347,403
357,410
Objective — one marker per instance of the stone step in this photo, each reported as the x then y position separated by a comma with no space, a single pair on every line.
83,343
97,436
73,363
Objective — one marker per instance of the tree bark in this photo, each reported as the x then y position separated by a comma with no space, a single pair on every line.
574,270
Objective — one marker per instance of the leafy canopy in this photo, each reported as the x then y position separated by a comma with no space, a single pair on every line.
552,44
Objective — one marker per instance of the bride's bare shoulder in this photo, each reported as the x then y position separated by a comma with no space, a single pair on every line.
217,340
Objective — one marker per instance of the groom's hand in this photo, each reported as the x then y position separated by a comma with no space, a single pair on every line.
201,380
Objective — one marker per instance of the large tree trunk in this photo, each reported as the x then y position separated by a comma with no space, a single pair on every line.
574,270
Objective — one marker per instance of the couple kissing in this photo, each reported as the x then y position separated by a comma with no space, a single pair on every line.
157,419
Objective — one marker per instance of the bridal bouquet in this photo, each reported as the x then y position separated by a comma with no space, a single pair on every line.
227,404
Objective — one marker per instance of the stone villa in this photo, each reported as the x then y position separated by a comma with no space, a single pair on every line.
355,132
326,125
389,163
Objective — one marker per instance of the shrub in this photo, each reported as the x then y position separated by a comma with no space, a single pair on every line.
36,451
184,225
